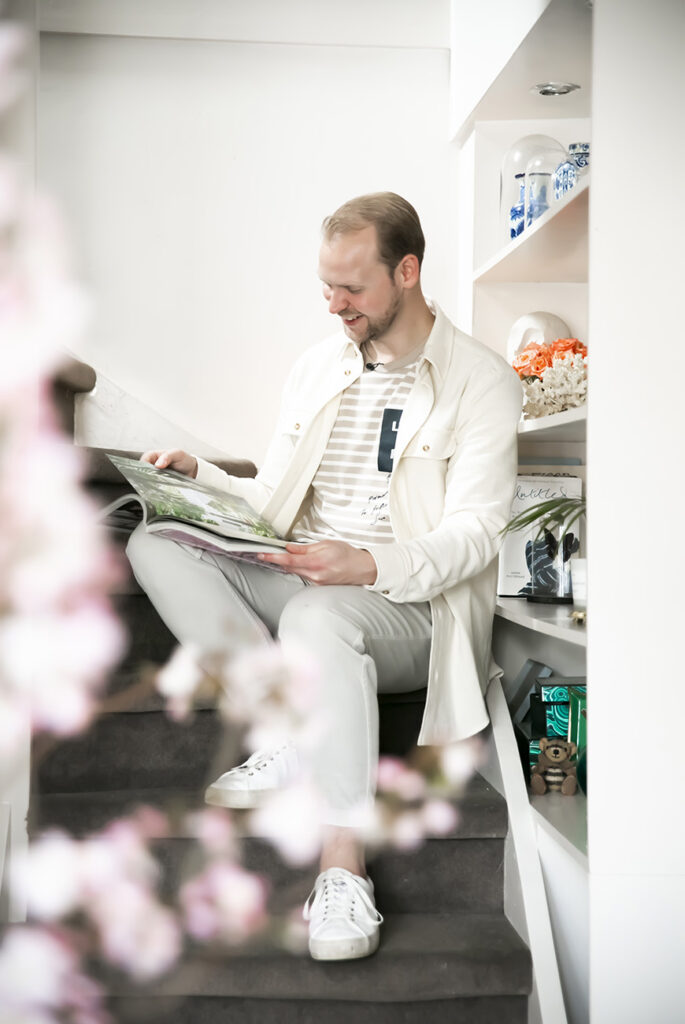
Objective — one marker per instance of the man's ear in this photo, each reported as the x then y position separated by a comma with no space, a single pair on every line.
408,271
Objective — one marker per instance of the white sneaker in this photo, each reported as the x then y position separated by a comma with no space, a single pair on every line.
343,921
246,785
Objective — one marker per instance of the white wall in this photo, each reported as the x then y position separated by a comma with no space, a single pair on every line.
195,174
636,487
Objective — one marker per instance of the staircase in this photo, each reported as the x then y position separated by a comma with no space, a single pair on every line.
446,948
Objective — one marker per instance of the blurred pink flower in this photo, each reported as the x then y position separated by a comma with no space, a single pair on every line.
40,971
63,654
290,819
439,817
50,876
213,828
407,831
42,309
150,822
35,967
395,777
225,902
13,44
179,679
117,853
53,550
274,690
136,932
459,761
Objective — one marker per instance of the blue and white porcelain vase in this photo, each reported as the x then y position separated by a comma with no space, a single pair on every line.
579,152
516,212
564,178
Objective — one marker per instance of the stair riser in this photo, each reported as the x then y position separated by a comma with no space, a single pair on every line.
149,640
446,875
145,750
206,1010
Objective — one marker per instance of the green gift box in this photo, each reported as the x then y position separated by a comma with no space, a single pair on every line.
555,689
533,752
577,717
547,718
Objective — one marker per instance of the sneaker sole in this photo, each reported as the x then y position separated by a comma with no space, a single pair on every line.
236,799
344,949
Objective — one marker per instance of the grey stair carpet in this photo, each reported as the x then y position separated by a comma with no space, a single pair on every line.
447,952
447,966
445,874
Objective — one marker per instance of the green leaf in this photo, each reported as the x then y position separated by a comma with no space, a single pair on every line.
562,512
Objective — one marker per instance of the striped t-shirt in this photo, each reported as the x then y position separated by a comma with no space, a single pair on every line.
351,485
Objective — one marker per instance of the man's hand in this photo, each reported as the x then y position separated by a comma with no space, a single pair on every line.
328,562
172,458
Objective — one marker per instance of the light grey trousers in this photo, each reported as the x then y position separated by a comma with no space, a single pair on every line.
363,644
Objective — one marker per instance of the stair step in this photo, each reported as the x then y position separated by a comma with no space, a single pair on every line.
423,958
461,873
458,876
147,749
482,811
212,1010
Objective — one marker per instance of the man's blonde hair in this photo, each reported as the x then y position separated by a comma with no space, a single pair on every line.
397,224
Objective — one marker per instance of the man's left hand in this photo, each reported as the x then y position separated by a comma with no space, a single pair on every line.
327,562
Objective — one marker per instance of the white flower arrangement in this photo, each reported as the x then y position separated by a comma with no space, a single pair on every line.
563,385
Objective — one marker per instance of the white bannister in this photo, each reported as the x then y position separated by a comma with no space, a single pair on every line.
546,980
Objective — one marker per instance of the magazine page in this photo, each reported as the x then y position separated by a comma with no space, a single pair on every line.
172,496
234,547
124,513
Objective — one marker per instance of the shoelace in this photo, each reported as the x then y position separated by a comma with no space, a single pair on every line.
260,759
337,897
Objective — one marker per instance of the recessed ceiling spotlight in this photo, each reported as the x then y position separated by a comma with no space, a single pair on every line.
554,88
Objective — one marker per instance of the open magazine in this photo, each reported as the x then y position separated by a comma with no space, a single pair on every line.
176,506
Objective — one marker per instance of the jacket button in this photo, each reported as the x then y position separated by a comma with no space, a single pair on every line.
426,447
385,593
348,372
297,426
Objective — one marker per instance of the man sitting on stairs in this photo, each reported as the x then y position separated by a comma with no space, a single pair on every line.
393,464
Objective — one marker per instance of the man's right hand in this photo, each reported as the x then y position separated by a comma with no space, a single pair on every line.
172,458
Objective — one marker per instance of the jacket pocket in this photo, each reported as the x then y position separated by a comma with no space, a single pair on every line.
431,443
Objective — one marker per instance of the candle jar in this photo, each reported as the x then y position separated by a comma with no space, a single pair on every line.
512,175
548,557
539,172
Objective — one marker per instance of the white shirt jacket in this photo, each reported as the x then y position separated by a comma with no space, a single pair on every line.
451,489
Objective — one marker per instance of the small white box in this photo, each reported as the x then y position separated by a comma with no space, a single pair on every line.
513,575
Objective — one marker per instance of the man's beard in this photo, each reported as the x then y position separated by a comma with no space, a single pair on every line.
376,328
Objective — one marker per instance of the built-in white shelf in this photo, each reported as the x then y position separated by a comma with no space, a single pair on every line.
559,426
550,619
560,39
564,818
553,248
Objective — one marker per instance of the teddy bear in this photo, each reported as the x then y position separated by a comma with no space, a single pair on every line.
555,770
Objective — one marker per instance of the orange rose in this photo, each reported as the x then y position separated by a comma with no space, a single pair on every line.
566,346
532,360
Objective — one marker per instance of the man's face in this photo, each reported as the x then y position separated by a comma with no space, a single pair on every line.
358,287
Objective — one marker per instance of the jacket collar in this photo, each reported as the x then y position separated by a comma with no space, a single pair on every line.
437,350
